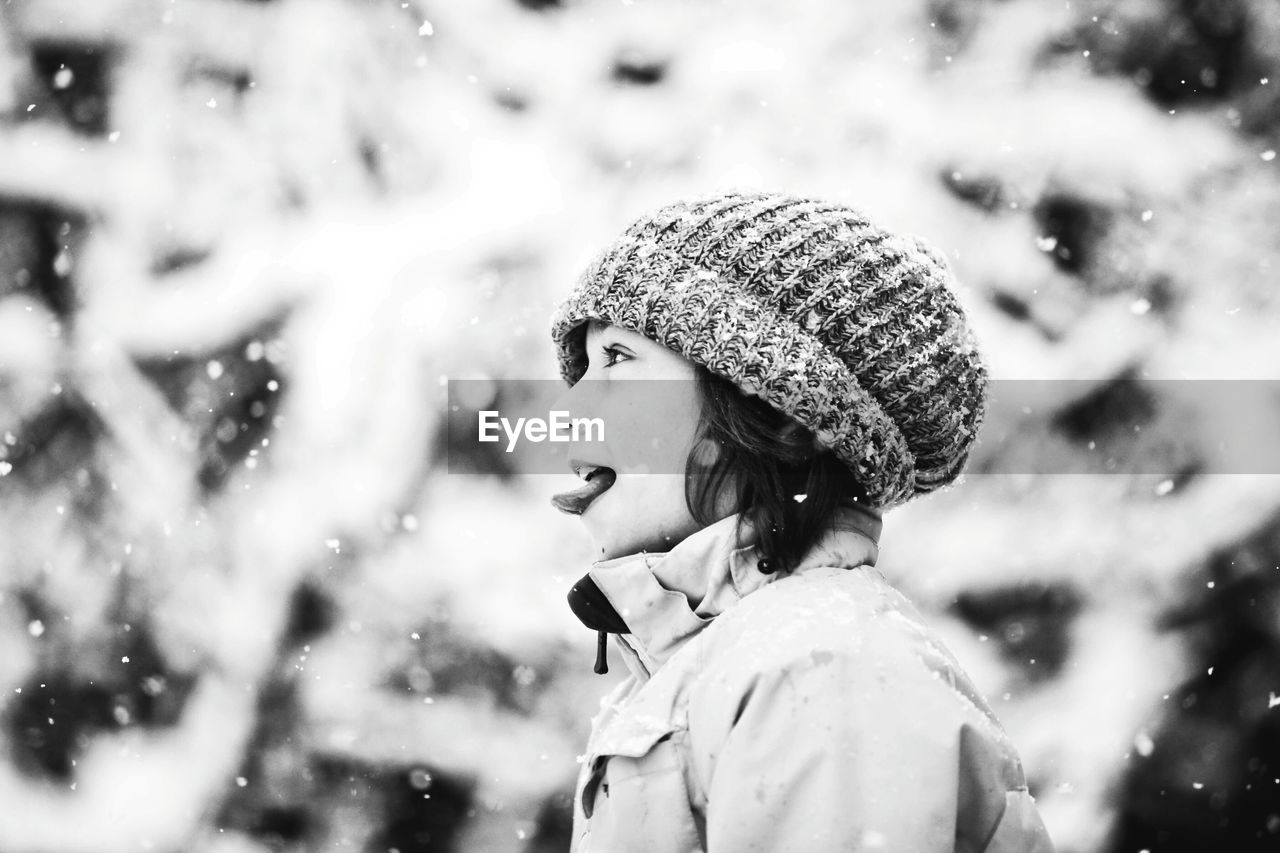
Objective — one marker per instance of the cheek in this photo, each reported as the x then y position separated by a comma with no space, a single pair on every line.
652,494
653,432
661,453
646,504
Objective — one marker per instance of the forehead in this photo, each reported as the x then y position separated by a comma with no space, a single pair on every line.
595,328
598,329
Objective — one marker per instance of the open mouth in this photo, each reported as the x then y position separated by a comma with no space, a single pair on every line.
597,479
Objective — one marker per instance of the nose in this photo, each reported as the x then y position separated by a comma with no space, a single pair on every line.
570,402
575,397
580,401
561,401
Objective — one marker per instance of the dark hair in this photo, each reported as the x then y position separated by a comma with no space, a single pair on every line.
767,458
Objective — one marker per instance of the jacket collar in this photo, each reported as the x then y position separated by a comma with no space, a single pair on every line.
668,597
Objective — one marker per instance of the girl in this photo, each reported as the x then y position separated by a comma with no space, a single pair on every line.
772,374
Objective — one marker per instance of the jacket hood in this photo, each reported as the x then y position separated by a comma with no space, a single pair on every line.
667,597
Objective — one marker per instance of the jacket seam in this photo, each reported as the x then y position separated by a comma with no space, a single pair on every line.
995,827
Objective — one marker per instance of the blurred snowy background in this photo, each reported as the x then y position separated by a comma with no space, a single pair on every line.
243,245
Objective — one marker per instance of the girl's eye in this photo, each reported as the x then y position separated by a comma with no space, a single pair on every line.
611,355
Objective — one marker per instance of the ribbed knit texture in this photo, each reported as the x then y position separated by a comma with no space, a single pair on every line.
853,331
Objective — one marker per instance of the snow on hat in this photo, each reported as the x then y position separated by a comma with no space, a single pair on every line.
851,330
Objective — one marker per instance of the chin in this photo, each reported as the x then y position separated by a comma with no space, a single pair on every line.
620,537
607,549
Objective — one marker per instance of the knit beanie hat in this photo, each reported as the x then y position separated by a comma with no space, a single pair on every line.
852,331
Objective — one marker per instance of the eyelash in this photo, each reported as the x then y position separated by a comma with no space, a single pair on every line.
609,352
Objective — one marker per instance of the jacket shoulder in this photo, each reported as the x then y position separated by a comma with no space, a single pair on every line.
850,612
853,619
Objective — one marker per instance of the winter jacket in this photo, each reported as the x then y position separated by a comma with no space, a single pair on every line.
810,712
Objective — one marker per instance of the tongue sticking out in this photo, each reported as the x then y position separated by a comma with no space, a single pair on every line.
575,502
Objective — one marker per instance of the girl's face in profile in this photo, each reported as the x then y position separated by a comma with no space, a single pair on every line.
647,398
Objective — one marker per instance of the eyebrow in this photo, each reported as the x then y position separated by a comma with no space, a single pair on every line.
606,336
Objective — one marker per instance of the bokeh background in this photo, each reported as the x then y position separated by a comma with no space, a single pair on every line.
244,245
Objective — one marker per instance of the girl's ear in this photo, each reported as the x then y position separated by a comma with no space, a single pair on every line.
815,446
793,427
706,452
